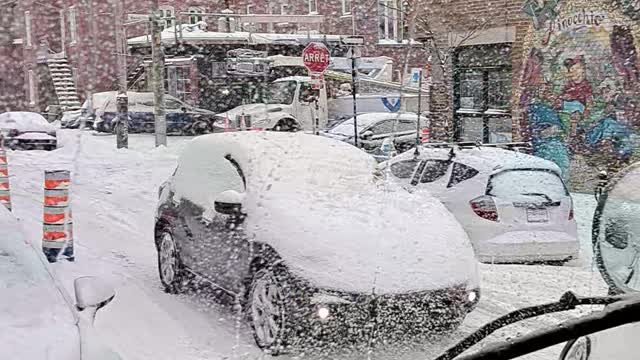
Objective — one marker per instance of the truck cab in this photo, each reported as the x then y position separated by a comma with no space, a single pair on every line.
289,104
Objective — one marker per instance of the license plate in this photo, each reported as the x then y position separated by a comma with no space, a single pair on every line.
537,215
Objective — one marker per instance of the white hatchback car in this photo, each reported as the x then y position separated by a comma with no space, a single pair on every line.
515,207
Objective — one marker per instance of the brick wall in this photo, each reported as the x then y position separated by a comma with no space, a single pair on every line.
473,22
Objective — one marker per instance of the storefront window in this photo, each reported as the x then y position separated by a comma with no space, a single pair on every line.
483,93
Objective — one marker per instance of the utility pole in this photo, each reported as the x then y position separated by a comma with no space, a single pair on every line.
122,101
91,83
157,55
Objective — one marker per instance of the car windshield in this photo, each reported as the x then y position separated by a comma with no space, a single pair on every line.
346,127
281,92
515,183
371,179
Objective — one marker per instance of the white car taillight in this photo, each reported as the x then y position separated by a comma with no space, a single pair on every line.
485,207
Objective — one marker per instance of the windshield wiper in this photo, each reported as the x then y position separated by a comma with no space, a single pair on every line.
549,200
540,340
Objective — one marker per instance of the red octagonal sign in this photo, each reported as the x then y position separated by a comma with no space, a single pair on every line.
316,57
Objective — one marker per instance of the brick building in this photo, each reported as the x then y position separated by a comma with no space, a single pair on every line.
55,51
503,70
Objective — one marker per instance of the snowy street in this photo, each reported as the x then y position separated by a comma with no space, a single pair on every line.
113,197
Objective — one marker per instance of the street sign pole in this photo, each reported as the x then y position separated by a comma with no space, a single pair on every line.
352,42
417,152
354,75
158,78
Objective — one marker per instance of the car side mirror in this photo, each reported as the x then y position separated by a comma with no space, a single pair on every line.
367,134
92,292
229,203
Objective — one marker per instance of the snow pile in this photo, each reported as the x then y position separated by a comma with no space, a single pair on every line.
318,203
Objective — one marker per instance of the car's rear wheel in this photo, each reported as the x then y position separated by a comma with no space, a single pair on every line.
267,309
173,275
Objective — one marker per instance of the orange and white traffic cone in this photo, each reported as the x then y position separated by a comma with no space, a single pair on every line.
5,194
57,233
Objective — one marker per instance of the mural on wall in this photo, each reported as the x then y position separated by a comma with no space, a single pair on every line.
580,88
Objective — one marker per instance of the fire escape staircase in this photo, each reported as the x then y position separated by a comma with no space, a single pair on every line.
63,83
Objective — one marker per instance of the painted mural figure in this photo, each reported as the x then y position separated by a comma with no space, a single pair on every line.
580,96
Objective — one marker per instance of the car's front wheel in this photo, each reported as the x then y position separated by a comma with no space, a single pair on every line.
173,275
267,309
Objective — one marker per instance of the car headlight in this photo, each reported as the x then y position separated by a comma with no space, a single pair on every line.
323,312
472,296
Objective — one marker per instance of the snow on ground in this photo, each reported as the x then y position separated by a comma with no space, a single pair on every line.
114,195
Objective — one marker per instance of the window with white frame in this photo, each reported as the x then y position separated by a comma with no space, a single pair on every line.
313,6
73,27
166,14
249,9
346,7
388,20
197,14
32,88
27,28
284,9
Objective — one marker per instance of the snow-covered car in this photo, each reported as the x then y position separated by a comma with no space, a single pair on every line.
27,130
374,128
305,232
181,118
515,207
38,320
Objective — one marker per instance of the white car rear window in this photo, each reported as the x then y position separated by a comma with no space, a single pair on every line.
513,183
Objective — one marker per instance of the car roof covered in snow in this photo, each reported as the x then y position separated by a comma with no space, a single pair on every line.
486,159
294,78
301,187
368,119
25,121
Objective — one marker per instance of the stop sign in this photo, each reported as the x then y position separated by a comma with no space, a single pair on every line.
316,57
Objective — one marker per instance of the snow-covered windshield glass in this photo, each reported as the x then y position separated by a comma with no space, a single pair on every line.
512,184
281,92
346,128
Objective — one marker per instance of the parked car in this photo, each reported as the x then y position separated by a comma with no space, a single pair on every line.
373,128
181,118
88,111
27,130
249,212
38,320
515,207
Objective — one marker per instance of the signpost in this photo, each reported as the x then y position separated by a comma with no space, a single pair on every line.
352,42
316,58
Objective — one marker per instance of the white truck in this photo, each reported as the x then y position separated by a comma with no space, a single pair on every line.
286,106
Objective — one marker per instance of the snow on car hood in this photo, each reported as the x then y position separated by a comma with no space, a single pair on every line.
319,203
365,241
35,320
262,115
25,122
